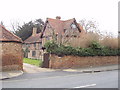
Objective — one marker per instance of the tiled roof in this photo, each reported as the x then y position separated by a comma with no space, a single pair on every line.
6,35
33,39
59,25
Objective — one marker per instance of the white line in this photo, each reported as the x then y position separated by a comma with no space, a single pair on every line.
86,86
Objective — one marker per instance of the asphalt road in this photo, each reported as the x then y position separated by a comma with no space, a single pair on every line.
62,79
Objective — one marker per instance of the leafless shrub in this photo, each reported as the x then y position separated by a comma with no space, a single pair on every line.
111,42
85,40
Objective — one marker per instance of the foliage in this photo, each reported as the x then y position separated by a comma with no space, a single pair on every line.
25,51
33,61
95,45
95,49
50,46
25,30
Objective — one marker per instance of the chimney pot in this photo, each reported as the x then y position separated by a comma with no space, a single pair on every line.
58,17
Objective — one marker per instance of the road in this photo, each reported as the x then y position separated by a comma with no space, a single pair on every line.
62,79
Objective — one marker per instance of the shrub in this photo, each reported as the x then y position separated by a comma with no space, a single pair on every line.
85,40
95,45
110,42
95,49
51,46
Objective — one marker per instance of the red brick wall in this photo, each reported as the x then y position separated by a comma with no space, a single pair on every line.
12,56
78,62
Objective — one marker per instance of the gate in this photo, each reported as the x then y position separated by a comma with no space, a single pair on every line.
45,60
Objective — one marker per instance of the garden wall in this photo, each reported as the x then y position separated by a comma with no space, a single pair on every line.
78,62
12,56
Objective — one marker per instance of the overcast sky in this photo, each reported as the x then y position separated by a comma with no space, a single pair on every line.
104,12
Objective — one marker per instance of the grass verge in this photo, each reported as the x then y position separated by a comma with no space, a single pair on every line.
33,61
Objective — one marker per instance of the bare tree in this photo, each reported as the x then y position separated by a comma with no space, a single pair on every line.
88,25
15,26
2,23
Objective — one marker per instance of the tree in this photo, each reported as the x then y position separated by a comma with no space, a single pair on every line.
88,25
2,23
25,30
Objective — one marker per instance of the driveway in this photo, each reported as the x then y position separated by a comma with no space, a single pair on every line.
34,69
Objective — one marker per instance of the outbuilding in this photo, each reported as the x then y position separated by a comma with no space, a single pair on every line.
11,54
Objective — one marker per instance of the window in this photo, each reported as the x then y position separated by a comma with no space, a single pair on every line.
33,53
73,26
34,45
64,30
28,45
40,45
47,38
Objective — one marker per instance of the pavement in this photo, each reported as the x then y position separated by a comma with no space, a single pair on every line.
94,69
34,69
10,74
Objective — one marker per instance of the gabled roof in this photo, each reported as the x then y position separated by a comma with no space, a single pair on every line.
33,39
59,25
6,35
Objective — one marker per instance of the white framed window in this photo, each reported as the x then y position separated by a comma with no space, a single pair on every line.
73,26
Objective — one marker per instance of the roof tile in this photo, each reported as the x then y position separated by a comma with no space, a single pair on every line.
6,35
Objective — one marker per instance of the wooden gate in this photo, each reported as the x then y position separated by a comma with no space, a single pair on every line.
45,60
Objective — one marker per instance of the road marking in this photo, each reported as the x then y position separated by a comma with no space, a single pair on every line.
86,86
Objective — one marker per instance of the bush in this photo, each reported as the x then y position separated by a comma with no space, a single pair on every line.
51,46
110,42
95,49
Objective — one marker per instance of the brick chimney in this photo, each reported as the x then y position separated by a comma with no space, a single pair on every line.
34,31
58,17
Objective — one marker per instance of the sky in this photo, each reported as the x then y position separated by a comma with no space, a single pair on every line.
104,12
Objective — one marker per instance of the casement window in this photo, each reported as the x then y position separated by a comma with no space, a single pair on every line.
47,38
64,30
34,45
28,45
33,53
40,45
73,26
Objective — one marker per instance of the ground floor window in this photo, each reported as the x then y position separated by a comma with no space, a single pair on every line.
33,53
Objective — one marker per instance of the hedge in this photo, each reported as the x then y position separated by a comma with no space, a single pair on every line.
95,49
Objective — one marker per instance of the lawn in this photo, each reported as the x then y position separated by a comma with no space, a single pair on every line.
32,61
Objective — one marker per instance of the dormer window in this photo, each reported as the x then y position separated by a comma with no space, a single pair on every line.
73,26
64,30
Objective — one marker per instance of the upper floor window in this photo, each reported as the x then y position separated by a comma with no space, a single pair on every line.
73,26
47,38
64,30
34,44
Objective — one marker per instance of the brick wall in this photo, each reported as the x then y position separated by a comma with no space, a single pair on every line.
78,62
12,56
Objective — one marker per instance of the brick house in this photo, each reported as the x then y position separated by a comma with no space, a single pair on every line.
58,27
61,29
11,51
34,45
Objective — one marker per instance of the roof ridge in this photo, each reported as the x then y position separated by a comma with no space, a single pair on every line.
60,19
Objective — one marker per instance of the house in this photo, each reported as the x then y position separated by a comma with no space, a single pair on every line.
61,29
33,45
11,51
52,28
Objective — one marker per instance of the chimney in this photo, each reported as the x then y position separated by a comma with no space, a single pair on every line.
34,31
58,17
